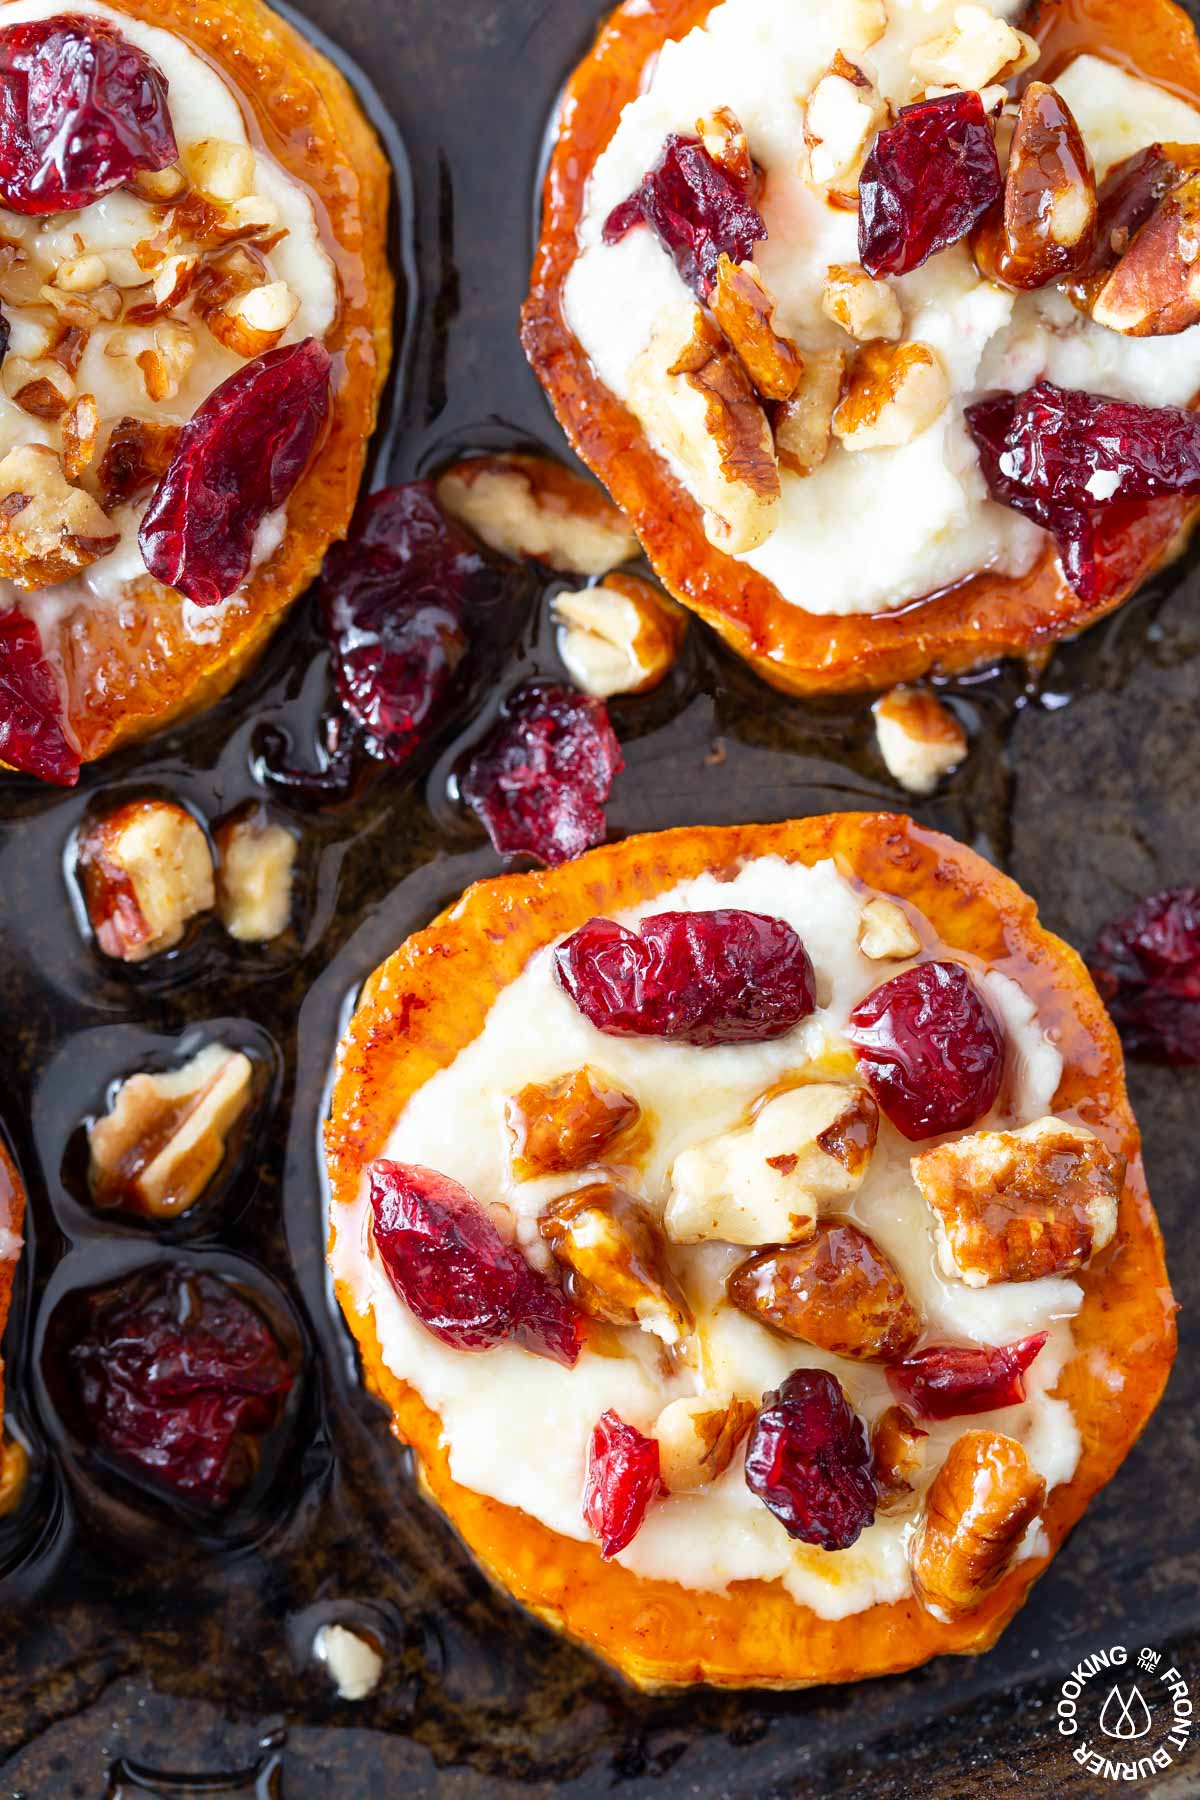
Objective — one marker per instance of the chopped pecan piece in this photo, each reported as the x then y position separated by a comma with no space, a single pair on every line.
920,740
256,320
697,1437
619,638
256,858
886,933
1128,198
1154,290
804,424
80,430
164,1137
531,506
841,117
1045,228
1017,1205
978,49
894,392
43,388
898,1447
690,391
839,1291
566,1124
745,311
765,1182
137,455
612,1252
721,133
49,530
166,364
861,305
146,870
983,1499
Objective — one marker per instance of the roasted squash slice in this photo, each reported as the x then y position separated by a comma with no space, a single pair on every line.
430,1000
966,625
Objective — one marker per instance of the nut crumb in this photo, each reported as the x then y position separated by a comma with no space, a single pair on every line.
164,1137
146,871
256,859
353,1662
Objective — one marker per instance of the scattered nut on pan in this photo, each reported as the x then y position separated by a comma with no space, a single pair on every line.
256,858
920,739
146,870
353,1662
982,1501
163,1139
697,1437
886,933
620,637
530,506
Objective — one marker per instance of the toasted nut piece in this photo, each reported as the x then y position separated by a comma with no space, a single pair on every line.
721,134
983,1499
838,1291
14,1473
49,530
804,424
164,1137
160,186
690,392
353,1662
862,23
146,870
614,1257
165,367
1154,291
138,452
254,321
885,932
864,307
620,637
697,1437
898,1446
1017,1205
173,280
81,274
219,170
1046,227
255,860
80,430
531,506
920,740
765,1182
841,117
744,310
252,217
43,389
566,1124
972,53
895,392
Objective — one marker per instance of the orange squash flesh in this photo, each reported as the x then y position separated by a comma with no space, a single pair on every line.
972,623
133,669
430,999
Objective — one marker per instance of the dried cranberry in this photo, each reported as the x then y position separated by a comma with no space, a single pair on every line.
1073,461
926,181
455,1273
931,1049
81,111
720,977
809,1460
180,1379
948,1380
239,457
622,1479
696,208
33,734
1146,964
540,778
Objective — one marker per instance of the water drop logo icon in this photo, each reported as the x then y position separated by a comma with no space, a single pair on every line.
1125,1717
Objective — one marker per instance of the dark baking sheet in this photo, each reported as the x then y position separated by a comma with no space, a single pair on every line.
133,1664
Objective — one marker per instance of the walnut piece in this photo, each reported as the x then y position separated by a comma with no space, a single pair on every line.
568,1123
886,933
42,388
804,424
841,117
898,1446
1046,228
1154,290
697,1437
978,48
145,870
920,740
982,1501
690,391
611,1249
862,306
838,1290
256,857
765,1182
745,311
138,453
1017,1205
49,530
619,638
531,506
164,1137
353,1662
722,135
894,392
220,170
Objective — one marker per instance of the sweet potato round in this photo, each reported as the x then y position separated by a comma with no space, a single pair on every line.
429,1000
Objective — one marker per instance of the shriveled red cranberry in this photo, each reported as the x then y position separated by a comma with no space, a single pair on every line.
947,1381
930,1048
1146,964
33,733
808,1459
180,1378
927,180
696,208
540,778
81,111
622,1479
238,458
1073,462
720,977
455,1273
